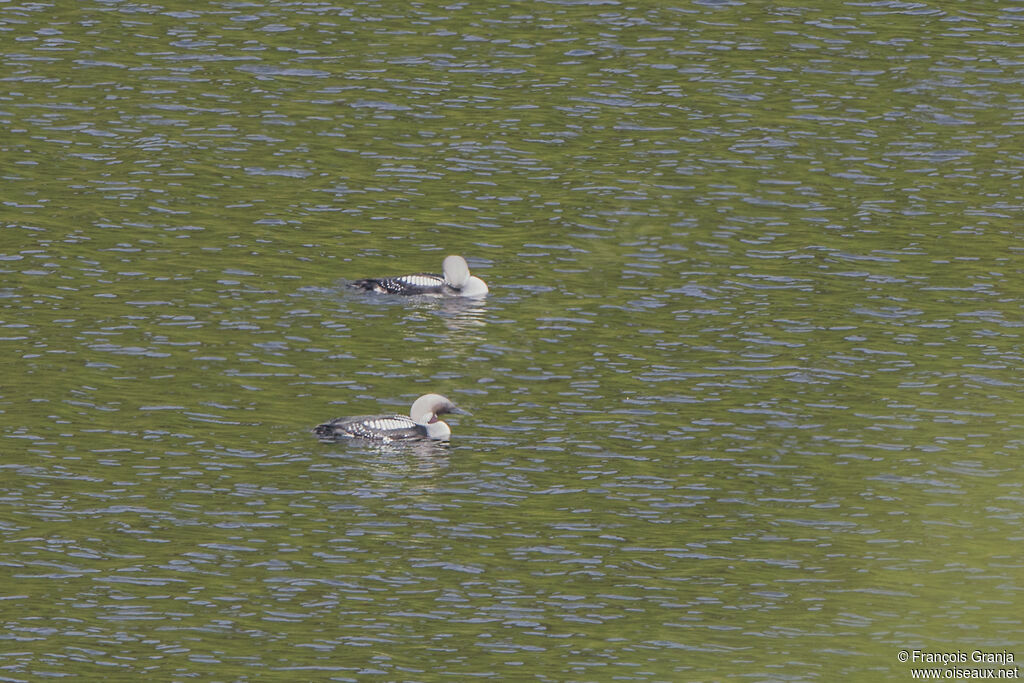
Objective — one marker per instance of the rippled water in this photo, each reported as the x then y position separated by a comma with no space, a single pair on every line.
745,394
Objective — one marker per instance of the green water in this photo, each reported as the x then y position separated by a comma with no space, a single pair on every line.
745,394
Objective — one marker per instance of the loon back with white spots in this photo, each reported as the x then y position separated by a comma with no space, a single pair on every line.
422,423
456,281
418,283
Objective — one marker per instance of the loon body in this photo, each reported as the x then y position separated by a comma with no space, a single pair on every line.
456,281
422,423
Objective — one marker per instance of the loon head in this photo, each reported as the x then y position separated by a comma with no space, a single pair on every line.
456,275
428,406
425,411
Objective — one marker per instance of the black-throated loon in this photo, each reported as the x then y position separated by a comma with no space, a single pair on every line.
422,423
456,281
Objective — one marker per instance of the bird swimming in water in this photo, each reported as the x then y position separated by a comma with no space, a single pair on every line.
456,281
422,423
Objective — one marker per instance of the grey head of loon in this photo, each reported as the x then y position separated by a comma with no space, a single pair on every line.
456,276
425,410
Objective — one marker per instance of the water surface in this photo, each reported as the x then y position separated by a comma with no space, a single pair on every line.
745,392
